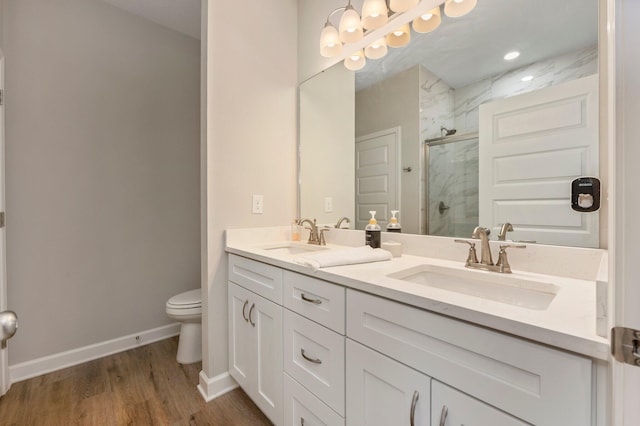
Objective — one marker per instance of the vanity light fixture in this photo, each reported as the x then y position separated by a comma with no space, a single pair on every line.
458,8
511,55
355,61
427,22
350,25
375,14
377,49
399,37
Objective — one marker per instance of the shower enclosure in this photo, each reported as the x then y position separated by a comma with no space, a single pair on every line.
451,184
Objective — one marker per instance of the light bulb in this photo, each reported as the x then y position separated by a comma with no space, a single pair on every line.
374,14
427,22
511,55
458,8
350,26
377,49
400,37
330,45
356,61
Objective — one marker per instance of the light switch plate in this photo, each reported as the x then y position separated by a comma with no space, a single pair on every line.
258,204
328,204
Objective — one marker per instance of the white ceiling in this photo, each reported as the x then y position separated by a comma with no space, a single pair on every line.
471,48
179,15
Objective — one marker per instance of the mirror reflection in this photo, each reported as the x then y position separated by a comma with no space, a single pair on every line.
453,135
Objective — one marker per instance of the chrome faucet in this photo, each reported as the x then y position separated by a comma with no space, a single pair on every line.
485,251
314,237
486,262
342,219
506,227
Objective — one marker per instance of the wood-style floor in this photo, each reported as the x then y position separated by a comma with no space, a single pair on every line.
143,386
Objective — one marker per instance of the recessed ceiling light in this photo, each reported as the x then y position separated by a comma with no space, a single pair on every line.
511,55
527,78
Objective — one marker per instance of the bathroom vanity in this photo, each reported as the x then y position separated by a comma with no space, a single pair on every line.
375,344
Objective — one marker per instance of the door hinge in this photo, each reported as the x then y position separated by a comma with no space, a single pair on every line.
625,345
1,219
1,96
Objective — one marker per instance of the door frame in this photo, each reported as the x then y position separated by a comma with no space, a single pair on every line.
624,230
5,379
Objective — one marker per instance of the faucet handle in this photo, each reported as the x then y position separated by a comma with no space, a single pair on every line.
503,262
323,242
472,257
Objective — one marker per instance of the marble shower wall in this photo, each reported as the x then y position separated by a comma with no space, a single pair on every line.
453,168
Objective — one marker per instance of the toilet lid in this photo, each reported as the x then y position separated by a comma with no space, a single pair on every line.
188,299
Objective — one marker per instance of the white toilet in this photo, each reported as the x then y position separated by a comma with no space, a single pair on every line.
186,308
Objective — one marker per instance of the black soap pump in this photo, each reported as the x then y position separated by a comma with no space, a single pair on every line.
372,231
394,225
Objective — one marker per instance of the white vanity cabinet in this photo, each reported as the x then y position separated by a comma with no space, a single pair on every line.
314,351
382,391
532,382
255,334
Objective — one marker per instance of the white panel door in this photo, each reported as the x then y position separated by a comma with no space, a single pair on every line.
240,340
383,392
531,147
377,177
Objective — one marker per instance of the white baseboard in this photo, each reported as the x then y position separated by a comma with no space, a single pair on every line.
211,388
47,364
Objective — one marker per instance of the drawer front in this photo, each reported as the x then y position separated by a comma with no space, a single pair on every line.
315,299
301,407
314,356
260,278
512,374
451,407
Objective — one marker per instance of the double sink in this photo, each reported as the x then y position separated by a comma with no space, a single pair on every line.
514,289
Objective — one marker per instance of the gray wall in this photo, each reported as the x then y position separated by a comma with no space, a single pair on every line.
102,172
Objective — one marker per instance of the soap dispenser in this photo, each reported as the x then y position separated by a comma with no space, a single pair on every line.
394,225
372,231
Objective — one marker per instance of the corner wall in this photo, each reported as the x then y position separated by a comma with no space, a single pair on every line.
102,175
250,146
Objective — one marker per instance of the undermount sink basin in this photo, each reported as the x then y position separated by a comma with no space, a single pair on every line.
292,248
505,288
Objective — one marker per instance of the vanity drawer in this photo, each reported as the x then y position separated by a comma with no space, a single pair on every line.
315,299
301,407
514,375
260,278
314,356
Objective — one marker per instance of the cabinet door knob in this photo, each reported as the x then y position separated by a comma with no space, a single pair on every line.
250,312
308,358
443,415
244,308
414,403
306,299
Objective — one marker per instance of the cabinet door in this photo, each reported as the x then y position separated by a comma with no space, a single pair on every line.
241,352
381,391
450,407
266,322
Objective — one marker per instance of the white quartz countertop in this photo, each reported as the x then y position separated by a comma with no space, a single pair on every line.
569,322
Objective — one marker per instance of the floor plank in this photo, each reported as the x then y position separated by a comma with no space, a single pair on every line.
143,386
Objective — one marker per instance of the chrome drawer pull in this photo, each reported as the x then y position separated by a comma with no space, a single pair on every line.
414,402
250,312
244,308
305,356
443,415
306,299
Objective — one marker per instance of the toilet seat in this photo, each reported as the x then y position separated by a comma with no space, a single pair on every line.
188,300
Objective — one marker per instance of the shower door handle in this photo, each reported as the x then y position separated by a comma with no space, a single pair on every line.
8,325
